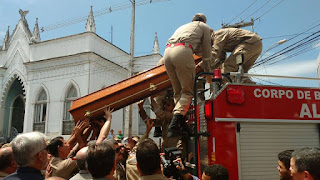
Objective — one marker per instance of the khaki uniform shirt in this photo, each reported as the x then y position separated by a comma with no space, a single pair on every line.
120,172
197,34
153,177
131,163
164,118
64,168
226,40
132,172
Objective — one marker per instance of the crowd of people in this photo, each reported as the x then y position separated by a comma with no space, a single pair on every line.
32,156
93,151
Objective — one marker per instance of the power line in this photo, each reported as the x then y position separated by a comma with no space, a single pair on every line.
274,37
297,48
257,9
267,81
284,51
273,56
242,12
302,51
270,9
96,14
306,31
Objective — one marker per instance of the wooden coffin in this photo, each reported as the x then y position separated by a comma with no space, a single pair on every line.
123,93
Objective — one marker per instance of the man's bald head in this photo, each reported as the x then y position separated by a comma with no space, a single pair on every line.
81,154
81,158
7,163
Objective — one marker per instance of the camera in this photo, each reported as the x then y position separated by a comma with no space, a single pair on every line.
168,163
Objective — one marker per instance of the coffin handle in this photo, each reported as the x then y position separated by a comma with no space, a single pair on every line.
152,87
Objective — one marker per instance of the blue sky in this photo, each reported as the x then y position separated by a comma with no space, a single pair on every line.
164,16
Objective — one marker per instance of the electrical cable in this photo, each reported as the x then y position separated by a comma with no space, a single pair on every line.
295,36
280,56
270,9
242,12
96,14
267,81
257,10
297,48
273,37
302,51
279,52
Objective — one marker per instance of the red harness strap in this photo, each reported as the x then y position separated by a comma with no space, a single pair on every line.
180,44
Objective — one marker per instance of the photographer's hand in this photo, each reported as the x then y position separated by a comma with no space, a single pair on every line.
184,173
181,166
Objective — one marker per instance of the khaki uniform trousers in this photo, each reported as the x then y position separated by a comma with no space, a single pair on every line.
250,51
167,142
180,67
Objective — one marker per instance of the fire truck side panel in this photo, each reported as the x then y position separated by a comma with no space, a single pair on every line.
268,102
260,143
222,146
252,124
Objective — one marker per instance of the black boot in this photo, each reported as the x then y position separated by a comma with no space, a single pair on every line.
157,132
174,129
185,128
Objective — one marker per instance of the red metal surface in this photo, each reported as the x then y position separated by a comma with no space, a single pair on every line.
267,102
123,93
198,143
258,102
222,146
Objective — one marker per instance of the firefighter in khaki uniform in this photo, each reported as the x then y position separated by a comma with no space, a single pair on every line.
164,117
237,41
180,66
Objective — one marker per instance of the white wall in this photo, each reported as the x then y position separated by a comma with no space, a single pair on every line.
85,59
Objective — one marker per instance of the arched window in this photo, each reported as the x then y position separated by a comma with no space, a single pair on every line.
40,112
68,122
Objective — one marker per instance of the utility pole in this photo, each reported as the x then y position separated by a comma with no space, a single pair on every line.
239,25
131,63
111,34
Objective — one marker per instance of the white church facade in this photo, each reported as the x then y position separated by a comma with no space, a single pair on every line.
40,79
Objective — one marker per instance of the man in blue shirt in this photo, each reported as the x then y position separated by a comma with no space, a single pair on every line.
29,151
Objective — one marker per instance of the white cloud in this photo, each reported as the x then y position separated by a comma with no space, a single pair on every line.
300,68
316,44
305,68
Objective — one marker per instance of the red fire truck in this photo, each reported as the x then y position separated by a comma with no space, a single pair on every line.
242,127
248,125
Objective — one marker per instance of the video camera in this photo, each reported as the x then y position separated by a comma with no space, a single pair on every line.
169,165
